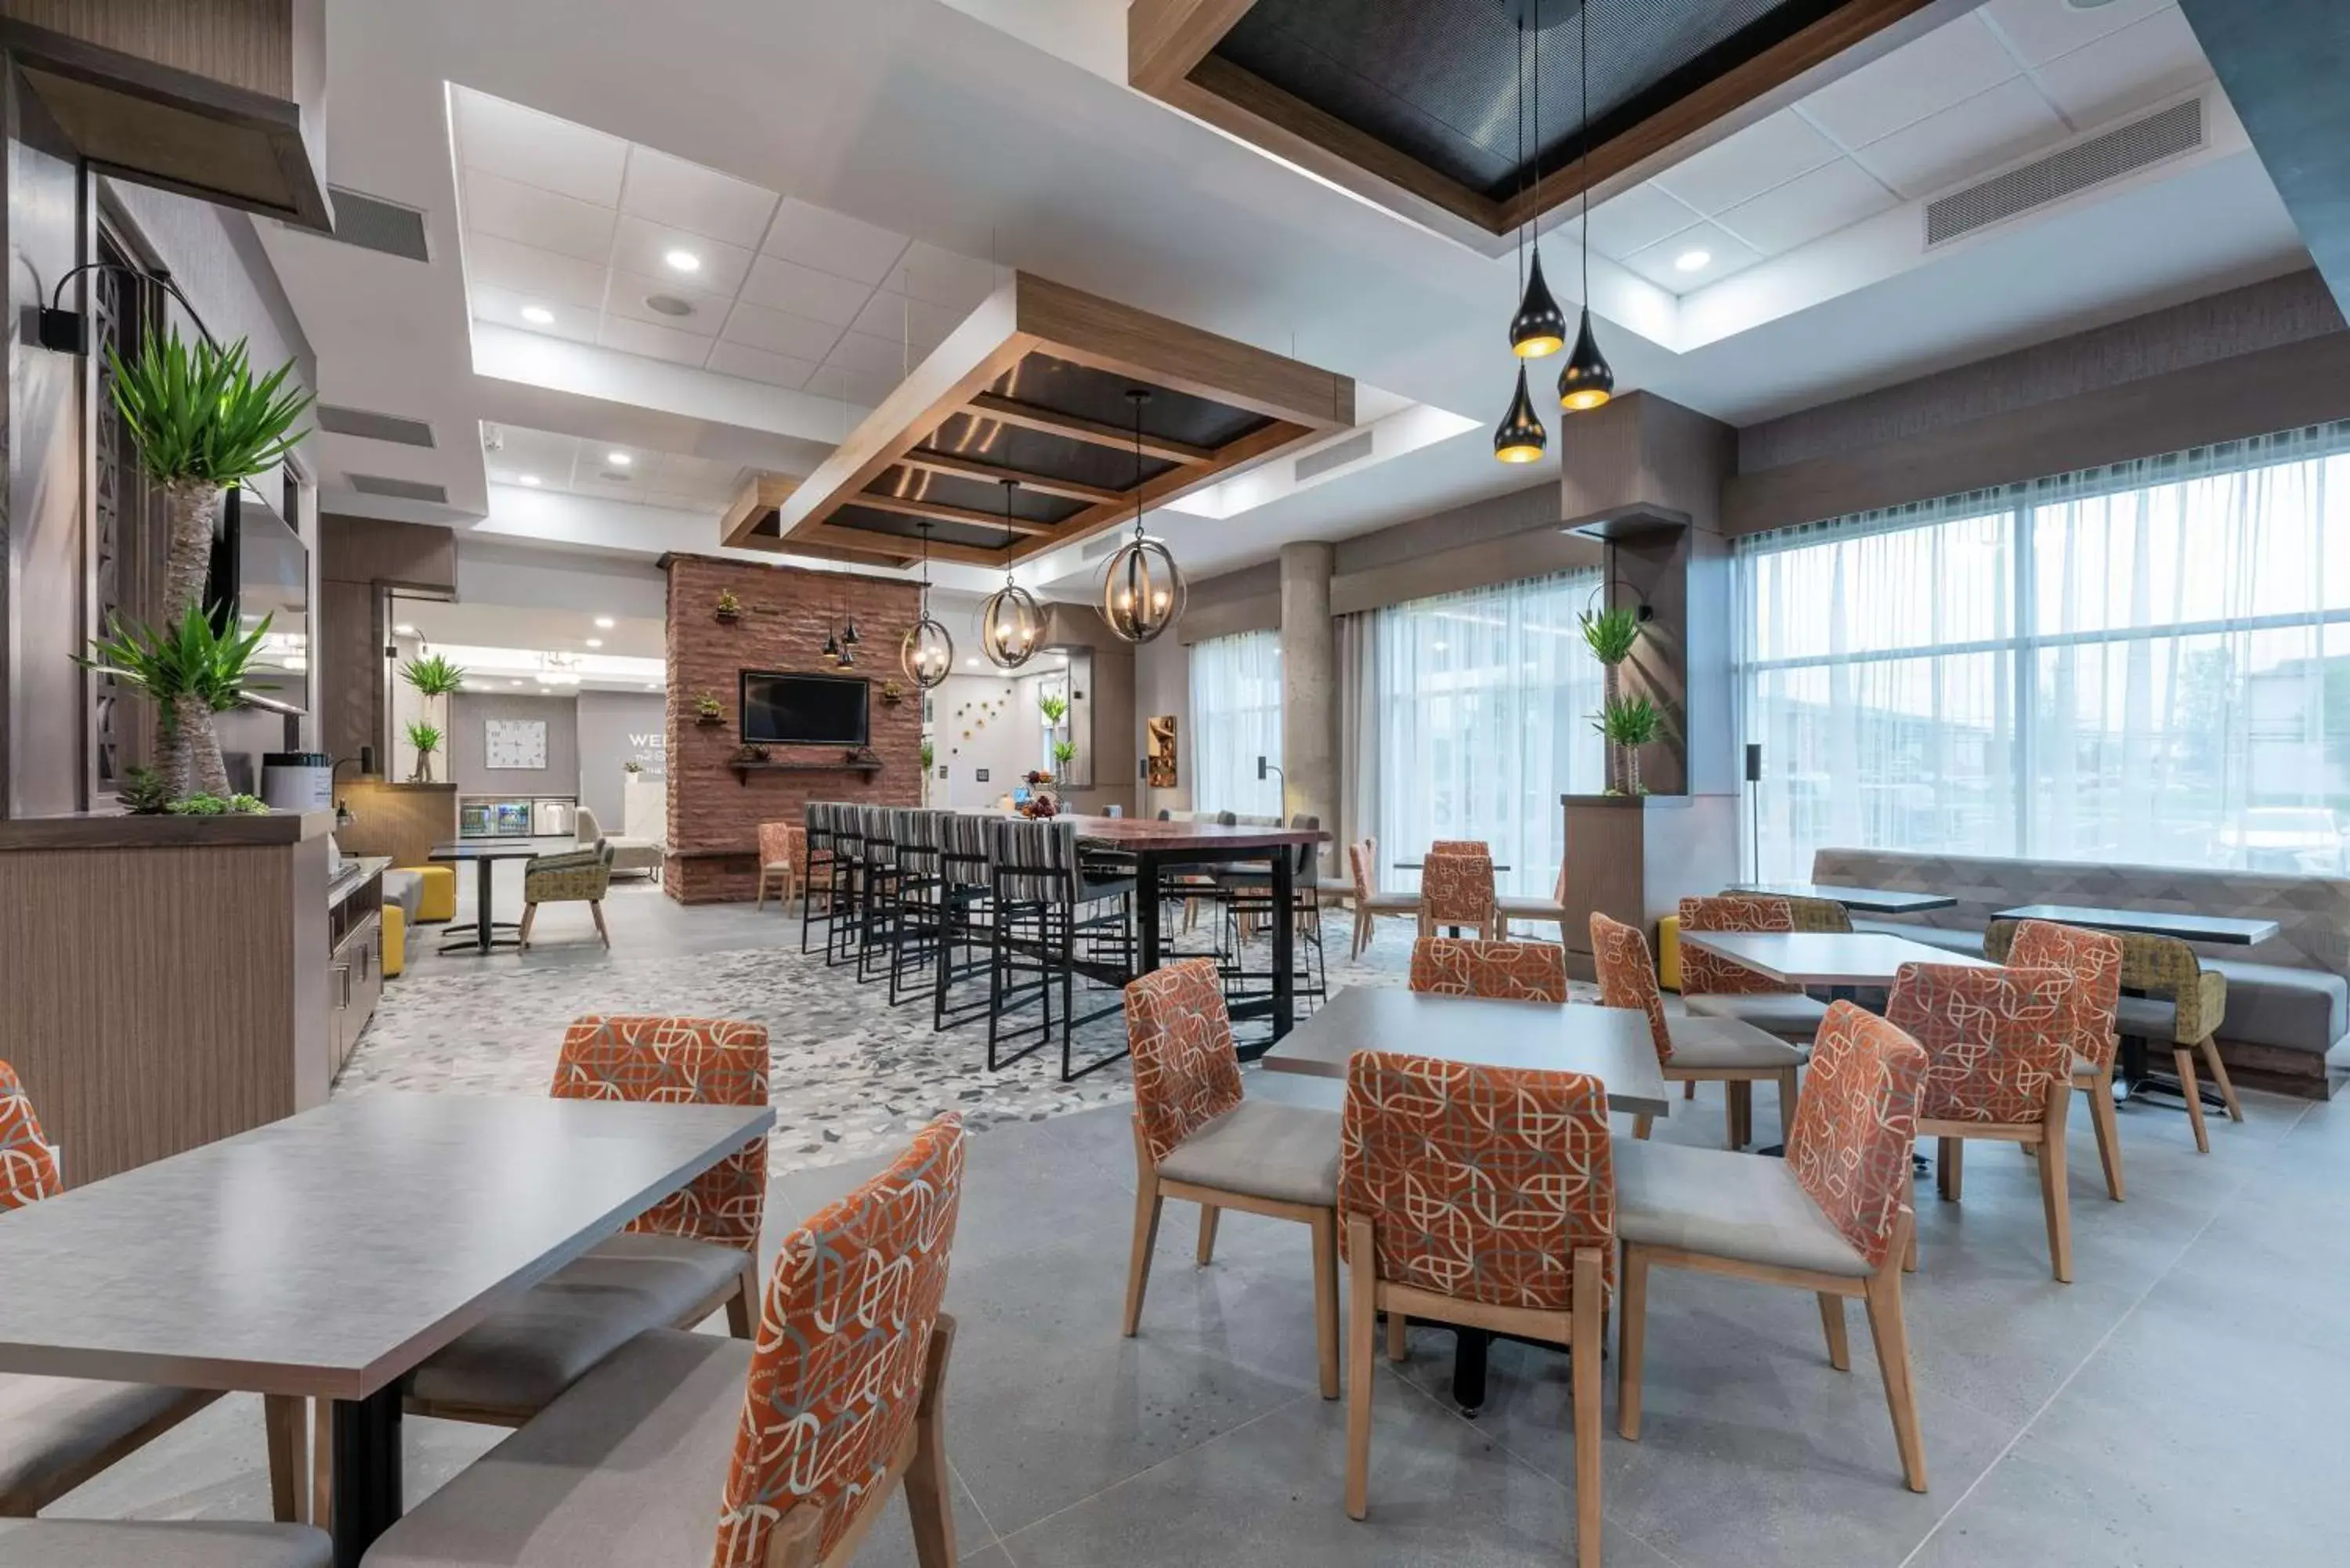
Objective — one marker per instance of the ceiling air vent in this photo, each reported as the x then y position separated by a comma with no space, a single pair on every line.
398,489
1338,454
336,419
2125,149
373,223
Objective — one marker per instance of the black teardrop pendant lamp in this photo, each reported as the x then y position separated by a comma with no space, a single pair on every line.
1585,382
1142,589
928,653
1010,623
1519,436
1539,328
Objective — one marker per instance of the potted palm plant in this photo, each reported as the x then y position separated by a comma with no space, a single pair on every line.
1628,723
1054,706
434,678
1063,753
192,671
425,736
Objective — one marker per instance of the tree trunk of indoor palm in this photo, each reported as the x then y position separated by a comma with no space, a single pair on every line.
192,760
195,515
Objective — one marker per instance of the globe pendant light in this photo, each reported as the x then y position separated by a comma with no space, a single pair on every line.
1539,328
1521,437
1585,380
1142,589
928,652
1010,623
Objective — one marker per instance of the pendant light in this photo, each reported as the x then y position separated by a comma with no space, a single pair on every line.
1519,436
845,653
1010,623
1539,328
1585,380
1142,589
928,652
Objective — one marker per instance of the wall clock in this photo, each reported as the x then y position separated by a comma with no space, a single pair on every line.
515,743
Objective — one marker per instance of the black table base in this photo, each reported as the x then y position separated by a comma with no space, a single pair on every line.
366,1483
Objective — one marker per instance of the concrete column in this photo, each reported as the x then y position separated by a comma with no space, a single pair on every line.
1309,687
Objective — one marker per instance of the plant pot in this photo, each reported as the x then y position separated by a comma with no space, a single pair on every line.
710,721
728,617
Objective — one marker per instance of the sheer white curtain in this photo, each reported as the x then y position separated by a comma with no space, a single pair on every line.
1235,719
2144,663
1477,710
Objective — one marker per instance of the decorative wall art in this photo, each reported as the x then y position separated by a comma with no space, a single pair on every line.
1161,731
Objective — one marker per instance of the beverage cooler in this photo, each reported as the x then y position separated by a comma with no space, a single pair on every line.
516,816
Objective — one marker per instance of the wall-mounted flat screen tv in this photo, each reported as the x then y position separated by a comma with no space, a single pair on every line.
805,710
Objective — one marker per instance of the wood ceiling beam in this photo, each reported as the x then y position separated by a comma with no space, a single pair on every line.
1165,38
761,495
942,511
905,552
994,473
1051,421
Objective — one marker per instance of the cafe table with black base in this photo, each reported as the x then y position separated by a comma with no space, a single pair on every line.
325,1256
485,853
1610,1044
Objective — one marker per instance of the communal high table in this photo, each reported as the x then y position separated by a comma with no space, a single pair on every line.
325,1256
1154,847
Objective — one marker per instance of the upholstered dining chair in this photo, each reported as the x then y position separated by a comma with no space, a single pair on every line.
782,846
1363,863
1999,1066
1456,888
1539,911
575,877
1833,1217
2093,959
57,1432
1690,1049
2174,1000
1518,971
781,1451
1716,987
684,1259
1197,1138
1483,1196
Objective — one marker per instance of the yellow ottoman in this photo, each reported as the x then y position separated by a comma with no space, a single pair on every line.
1668,952
395,939
440,900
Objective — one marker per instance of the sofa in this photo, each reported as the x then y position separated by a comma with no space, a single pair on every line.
629,857
2288,998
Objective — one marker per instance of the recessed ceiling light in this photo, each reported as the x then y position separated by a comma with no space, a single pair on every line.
513,682
595,642
682,261
1692,260
538,315
972,662
670,303
404,630
530,480
603,623
652,685
619,458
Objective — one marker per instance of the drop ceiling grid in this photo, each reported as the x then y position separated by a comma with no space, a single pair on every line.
578,465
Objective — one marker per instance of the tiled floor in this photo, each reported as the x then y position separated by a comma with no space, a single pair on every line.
2180,1405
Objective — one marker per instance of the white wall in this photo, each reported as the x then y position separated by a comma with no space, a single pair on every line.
1007,741
617,728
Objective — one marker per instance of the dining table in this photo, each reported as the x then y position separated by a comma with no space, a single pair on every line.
1840,960
1861,900
325,1256
485,853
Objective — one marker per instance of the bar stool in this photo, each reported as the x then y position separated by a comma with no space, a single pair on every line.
916,920
1045,909
841,935
882,888
966,909
817,868
1247,898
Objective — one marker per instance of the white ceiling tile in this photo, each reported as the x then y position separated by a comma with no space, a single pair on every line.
758,365
533,272
781,285
1725,254
653,342
1827,198
539,150
1953,62
832,242
577,322
1636,220
1967,139
528,215
944,277
541,455
603,489
869,355
642,247
630,291
2040,30
866,391
681,195
896,315
2148,61
1768,153
780,332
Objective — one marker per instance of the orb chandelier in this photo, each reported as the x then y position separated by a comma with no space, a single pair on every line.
1010,623
1142,589
928,652
1587,381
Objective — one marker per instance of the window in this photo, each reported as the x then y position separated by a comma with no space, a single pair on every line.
1235,719
2146,664
1477,717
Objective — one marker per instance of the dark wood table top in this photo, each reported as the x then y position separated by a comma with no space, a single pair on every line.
1867,900
503,849
2154,922
1207,838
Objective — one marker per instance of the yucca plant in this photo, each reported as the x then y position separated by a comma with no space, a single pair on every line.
191,671
202,422
425,736
1628,723
1054,706
143,793
1611,633
1063,752
433,677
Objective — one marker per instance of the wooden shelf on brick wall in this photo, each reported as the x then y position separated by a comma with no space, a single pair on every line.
868,766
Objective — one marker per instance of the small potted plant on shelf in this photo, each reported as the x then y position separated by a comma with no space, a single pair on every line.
425,736
708,712
193,672
632,766
1628,723
892,693
1054,706
730,608
751,753
1063,753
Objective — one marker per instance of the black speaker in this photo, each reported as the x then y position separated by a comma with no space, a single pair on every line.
1754,762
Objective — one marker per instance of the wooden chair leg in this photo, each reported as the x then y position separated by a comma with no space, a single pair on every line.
1147,1203
1590,1301
1689,1089
1832,1324
1208,1213
1789,1093
1949,1168
529,918
1362,1292
759,897
2183,1058
1909,1254
2220,1076
1398,1349
286,1424
1641,1126
1326,1297
742,1307
1891,1336
596,908
928,1500
1631,1341
2054,1197
1740,1113
2108,1130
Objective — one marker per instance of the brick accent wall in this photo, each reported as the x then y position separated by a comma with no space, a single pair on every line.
714,817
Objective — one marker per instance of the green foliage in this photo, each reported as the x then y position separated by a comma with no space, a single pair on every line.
1611,633
433,677
424,737
1628,722
707,706
930,756
214,805
1054,706
144,793
190,660
1064,751
197,413
727,603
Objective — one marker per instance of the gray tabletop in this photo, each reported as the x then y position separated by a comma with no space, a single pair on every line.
1826,957
2155,922
1867,900
503,849
329,1254
1611,1044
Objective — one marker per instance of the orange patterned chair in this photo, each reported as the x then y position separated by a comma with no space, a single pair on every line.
1196,1138
695,1251
1516,972
1483,1196
1833,1217
798,1439
1362,862
1456,888
782,848
1999,1065
1715,987
1541,911
2094,959
1692,1050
